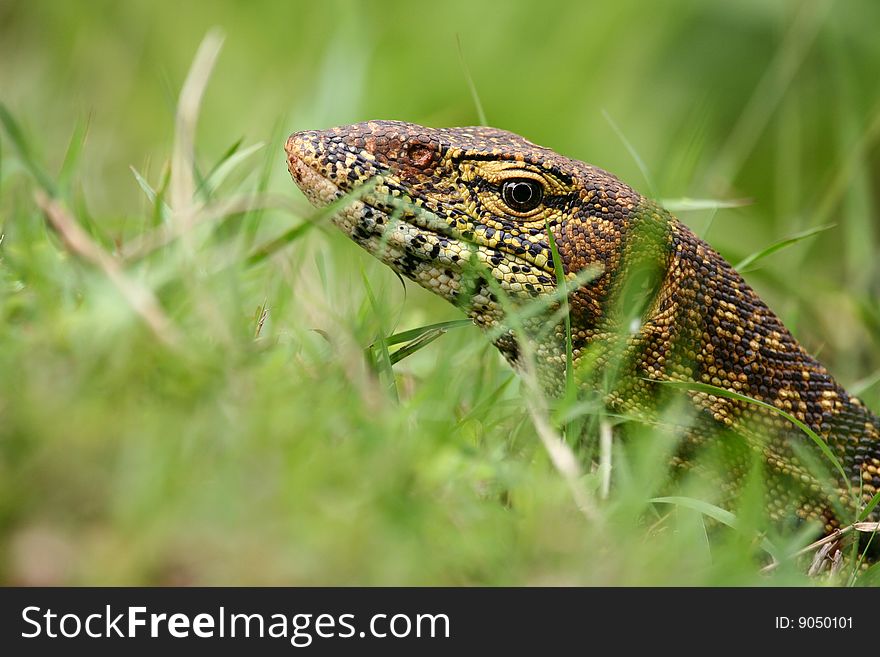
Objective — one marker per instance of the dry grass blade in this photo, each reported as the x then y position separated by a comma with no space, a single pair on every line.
80,244
605,443
263,311
481,114
182,179
820,557
147,243
561,455
685,204
634,154
865,527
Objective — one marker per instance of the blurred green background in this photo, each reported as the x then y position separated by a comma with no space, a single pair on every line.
280,460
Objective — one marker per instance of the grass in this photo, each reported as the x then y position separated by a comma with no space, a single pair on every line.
202,383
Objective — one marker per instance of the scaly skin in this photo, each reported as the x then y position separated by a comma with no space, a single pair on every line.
664,306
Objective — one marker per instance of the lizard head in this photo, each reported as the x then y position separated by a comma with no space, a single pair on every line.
430,201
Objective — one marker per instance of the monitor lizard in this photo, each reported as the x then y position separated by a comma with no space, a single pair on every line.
661,305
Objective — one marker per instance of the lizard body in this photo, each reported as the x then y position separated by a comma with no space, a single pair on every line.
661,306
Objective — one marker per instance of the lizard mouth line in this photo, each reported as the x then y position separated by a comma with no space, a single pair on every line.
393,232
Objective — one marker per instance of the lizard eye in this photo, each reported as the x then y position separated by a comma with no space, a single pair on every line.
522,194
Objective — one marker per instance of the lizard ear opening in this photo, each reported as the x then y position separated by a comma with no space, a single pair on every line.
419,155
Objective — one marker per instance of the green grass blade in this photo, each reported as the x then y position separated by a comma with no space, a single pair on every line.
721,392
480,409
229,152
162,208
716,513
16,136
145,186
867,383
481,115
203,188
74,151
252,221
778,246
721,515
288,237
570,391
419,343
416,333
200,181
419,337
803,27
291,235
226,166
870,577
869,507
862,555
383,364
640,163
